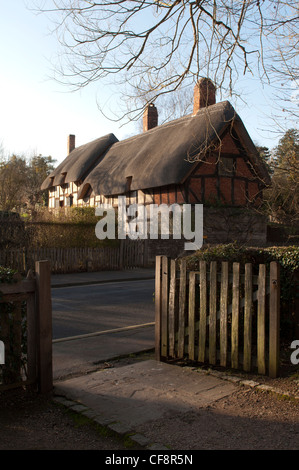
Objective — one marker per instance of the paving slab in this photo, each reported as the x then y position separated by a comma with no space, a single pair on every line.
135,394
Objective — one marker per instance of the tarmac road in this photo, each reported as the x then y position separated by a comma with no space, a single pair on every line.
85,315
78,310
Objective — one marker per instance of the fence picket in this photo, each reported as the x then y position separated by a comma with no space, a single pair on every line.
31,339
63,260
203,312
274,320
213,313
223,314
261,320
241,310
182,303
171,314
164,317
17,338
191,315
158,294
235,317
247,318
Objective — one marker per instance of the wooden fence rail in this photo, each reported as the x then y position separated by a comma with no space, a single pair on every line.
128,254
26,330
229,318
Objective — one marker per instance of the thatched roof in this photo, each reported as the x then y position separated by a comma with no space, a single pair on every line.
164,154
158,157
79,162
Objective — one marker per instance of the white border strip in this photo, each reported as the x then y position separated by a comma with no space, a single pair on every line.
104,332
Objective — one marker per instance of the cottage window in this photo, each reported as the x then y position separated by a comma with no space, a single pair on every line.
69,201
226,167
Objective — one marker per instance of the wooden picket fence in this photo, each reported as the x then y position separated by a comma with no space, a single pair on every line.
129,254
26,331
228,318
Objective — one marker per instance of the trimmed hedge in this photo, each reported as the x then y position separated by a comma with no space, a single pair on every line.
74,228
286,256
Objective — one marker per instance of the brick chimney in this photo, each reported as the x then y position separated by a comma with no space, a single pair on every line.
204,94
150,117
71,143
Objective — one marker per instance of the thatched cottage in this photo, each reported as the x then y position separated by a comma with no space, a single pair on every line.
207,157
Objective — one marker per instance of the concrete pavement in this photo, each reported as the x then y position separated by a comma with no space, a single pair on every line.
126,398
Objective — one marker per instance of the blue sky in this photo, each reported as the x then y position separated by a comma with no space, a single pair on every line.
37,113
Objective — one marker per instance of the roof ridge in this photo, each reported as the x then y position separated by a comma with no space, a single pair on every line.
213,108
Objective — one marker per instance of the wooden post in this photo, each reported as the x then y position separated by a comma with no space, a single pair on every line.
203,312
171,312
158,308
235,317
182,305
164,307
44,326
213,313
223,314
191,315
274,320
261,320
31,334
17,339
247,318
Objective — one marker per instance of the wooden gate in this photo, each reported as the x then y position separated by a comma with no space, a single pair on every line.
26,330
229,318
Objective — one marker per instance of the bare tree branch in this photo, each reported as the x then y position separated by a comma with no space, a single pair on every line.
167,44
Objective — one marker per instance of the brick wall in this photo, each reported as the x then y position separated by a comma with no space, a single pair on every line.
225,225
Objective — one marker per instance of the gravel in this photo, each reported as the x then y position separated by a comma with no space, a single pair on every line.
32,422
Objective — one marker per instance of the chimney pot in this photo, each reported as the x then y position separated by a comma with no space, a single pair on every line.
204,94
150,117
71,145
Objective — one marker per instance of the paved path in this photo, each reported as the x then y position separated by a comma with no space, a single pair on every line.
124,398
